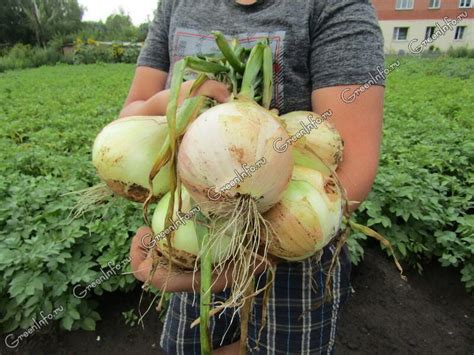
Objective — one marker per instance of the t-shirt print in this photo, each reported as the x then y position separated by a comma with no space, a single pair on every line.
188,42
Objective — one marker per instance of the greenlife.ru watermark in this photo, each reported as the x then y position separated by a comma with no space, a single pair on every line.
240,176
306,128
12,341
447,26
112,270
182,219
382,74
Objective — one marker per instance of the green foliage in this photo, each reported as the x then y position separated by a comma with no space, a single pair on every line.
356,249
24,56
142,32
48,125
58,42
13,24
460,52
46,18
92,52
422,197
22,22
85,53
113,30
53,24
93,29
130,54
130,317
119,27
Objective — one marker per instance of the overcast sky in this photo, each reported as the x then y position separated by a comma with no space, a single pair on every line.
138,10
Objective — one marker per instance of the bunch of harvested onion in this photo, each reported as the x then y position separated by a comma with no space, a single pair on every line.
220,166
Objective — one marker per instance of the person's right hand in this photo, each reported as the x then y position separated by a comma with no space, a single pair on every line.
211,88
142,261
148,96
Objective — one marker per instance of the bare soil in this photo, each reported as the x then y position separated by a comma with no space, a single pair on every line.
429,314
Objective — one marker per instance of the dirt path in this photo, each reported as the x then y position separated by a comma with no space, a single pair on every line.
429,314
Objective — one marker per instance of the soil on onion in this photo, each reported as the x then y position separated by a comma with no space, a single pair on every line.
428,314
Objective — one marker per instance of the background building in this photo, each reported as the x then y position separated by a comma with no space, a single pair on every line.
416,25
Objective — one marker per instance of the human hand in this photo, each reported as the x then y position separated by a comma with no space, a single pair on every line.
211,88
140,260
145,100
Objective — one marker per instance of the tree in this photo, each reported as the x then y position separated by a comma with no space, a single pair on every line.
70,18
49,17
93,29
142,31
13,24
120,27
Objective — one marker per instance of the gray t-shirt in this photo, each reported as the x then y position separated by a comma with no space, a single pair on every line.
316,43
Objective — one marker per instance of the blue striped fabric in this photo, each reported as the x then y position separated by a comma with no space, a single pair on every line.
294,325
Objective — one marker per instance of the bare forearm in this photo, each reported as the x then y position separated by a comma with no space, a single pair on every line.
357,180
154,106
185,282
360,126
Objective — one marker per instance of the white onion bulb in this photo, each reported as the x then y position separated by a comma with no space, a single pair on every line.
315,132
124,153
228,152
308,216
184,241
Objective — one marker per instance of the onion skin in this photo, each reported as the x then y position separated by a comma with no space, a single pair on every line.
185,235
304,157
185,240
307,217
124,153
322,139
224,139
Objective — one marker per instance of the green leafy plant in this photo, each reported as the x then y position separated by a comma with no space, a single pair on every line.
23,56
47,261
130,317
422,198
90,52
460,52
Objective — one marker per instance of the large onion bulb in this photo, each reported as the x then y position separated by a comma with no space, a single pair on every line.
307,217
124,153
185,241
309,130
228,152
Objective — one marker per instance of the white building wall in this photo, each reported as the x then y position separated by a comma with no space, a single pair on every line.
443,38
